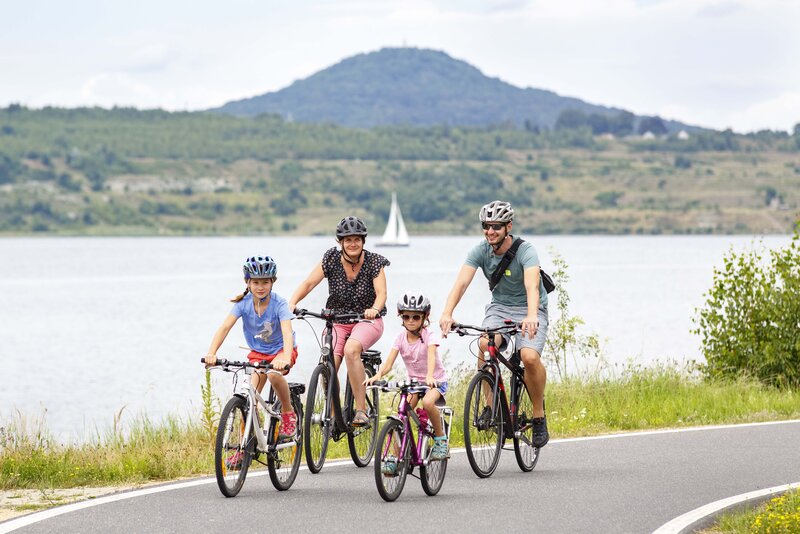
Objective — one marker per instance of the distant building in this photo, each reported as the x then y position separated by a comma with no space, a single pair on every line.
682,135
648,135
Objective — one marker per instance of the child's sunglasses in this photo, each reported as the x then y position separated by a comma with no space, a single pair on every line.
415,316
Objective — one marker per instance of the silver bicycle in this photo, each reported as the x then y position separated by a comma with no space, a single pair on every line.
249,432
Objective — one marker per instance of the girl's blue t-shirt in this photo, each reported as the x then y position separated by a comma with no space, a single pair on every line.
263,334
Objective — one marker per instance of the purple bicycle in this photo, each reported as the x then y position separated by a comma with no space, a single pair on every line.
398,452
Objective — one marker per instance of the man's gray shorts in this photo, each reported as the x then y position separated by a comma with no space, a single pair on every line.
496,314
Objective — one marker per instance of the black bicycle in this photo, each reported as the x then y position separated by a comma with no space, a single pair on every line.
489,418
326,417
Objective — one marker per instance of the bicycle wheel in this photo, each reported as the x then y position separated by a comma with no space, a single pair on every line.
361,441
391,463
483,436
316,430
527,455
283,461
233,450
431,473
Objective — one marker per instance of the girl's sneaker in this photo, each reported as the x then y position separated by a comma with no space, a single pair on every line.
234,461
389,466
288,425
440,448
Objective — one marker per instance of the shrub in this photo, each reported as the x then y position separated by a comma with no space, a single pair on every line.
750,322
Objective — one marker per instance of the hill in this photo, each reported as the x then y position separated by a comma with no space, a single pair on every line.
132,172
418,87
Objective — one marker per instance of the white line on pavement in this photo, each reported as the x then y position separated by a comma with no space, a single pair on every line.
684,522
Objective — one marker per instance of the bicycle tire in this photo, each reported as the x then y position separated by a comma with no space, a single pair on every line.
432,475
527,455
483,444
361,441
390,439
283,464
316,429
233,451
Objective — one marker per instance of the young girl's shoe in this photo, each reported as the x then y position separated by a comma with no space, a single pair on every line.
389,467
440,448
288,425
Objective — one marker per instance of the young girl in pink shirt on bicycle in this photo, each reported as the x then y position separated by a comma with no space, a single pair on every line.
418,347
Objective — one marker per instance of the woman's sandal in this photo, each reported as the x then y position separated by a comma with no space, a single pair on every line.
360,419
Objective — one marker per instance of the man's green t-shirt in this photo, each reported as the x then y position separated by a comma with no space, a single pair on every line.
510,291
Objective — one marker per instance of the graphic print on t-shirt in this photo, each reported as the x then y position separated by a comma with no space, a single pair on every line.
266,332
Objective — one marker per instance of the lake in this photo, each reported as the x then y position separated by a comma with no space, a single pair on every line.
90,326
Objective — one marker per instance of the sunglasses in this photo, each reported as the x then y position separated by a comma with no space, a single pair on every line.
407,317
494,226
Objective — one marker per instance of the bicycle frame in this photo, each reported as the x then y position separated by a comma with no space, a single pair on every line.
254,399
405,414
492,360
327,358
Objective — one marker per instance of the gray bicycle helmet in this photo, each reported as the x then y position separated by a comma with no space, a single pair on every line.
497,211
414,301
350,226
260,267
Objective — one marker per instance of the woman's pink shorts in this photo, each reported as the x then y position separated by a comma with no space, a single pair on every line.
365,333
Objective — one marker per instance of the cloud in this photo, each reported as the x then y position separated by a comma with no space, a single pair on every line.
150,58
118,89
720,9
780,112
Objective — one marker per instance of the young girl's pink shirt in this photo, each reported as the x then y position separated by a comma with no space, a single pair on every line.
415,355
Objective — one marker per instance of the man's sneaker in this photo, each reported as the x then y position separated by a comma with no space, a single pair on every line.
288,425
440,448
540,435
485,418
389,466
234,461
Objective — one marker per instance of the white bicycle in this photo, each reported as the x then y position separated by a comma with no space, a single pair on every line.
243,437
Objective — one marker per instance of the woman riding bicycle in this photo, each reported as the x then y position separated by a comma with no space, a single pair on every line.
267,326
418,347
356,284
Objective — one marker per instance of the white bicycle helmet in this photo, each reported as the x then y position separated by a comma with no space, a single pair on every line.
497,211
260,267
414,301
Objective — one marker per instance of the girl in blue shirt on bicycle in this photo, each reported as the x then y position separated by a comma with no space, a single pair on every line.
418,347
267,325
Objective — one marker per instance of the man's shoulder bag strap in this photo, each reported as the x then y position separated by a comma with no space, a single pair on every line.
549,285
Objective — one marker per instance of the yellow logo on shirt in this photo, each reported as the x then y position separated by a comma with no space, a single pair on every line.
508,272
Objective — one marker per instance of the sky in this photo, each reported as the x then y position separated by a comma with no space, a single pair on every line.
713,63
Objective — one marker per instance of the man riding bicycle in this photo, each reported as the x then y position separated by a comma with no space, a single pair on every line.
519,296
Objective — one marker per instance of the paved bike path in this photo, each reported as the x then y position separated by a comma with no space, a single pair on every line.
628,483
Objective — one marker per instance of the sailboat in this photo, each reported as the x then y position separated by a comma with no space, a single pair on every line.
395,234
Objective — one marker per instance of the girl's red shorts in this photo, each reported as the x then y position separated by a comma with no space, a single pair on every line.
255,356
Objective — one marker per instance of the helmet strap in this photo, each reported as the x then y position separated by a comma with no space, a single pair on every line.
347,258
421,325
500,245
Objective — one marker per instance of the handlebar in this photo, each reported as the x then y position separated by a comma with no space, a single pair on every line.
225,364
509,328
329,315
397,385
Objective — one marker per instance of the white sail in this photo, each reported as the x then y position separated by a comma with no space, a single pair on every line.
395,233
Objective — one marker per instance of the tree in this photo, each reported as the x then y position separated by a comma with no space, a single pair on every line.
750,323
622,123
653,125
570,119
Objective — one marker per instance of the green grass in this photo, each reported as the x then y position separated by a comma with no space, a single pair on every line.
637,399
780,515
